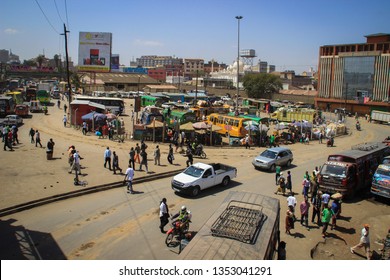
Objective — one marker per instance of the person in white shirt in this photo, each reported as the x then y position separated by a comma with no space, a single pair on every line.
292,201
129,175
164,214
107,158
364,241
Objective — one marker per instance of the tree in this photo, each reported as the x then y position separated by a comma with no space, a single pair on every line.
261,85
40,59
57,61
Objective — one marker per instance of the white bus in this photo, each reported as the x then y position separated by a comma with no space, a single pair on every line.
114,105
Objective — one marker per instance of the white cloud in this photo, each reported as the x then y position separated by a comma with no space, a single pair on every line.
10,31
146,43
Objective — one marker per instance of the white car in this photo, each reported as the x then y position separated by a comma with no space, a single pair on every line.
12,120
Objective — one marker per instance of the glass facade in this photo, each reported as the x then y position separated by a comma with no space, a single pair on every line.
358,77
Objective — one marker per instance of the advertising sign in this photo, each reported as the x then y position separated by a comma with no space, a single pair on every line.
95,51
115,63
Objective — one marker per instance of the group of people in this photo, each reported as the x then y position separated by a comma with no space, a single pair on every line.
9,137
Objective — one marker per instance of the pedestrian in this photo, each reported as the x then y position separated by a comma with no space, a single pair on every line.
143,146
131,158
65,107
5,132
75,163
292,201
281,184
164,214
71,150
15,139
129,175
325,197
137,153
84,127
190,158
170,157
336,209
156,155
144,161
50,148
364,241
289,223
326,216
289,181
38,138
304,207
59,104
32,133
115,163
282,251
305,186
247,142
64,119
278,169
8,142
320,137
107,158
316,202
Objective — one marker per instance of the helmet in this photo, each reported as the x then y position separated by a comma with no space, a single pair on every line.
183,208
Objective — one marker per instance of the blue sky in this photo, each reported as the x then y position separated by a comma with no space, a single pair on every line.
285,33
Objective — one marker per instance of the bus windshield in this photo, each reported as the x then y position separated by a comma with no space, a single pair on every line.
334,170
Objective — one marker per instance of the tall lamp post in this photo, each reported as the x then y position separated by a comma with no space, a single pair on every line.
238,62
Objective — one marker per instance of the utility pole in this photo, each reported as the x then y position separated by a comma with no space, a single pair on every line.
67,66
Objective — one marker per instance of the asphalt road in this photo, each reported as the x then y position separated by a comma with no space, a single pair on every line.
114,225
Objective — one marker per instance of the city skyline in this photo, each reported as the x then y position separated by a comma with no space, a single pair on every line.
284,33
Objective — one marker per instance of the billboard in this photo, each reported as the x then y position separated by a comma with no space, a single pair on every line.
95,51
115,63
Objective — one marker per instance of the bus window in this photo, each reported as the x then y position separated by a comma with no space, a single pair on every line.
236,122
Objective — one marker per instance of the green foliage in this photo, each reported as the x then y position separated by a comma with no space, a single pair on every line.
261,85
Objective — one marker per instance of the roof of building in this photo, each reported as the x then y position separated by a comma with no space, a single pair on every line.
120,78
160,87
377,35
89,103
299,92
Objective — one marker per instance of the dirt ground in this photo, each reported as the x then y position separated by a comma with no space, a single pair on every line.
27,175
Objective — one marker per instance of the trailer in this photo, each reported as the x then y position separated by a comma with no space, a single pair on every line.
244,227
379,116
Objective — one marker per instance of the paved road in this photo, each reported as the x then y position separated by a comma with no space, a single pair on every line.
116,225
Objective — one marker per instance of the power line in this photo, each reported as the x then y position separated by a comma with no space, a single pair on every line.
36,1
58,13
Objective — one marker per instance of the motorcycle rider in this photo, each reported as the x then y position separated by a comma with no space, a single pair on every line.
183,217
357,125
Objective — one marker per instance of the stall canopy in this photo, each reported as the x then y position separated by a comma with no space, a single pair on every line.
94,116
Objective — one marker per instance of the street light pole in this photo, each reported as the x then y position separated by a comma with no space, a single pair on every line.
238,62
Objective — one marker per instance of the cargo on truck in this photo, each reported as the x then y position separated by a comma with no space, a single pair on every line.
379,116
200,176
381,181
244,227
351,171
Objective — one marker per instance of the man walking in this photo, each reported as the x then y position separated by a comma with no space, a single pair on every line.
131,159
107,158
38,139
164,215
144,161
64,119
129,175
157,155
326,216
316,202
115,163
137,153
364,241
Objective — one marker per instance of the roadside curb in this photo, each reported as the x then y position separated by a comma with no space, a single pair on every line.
80,192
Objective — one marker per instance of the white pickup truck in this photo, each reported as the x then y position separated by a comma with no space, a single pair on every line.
200,176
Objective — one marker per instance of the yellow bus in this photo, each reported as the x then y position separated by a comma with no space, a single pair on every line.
230,125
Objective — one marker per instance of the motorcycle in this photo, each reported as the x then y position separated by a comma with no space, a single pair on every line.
176,232
358,126
330,142
198,152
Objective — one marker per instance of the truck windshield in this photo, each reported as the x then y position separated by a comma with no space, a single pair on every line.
194,171
268,154
334,170
383,172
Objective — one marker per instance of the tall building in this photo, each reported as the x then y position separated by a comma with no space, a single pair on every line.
355,76
192,65
4,56
157,61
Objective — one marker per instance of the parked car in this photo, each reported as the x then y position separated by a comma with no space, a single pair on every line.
21,110
12,120
272,157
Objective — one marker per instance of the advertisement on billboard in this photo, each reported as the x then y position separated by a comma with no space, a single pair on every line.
115,63
95,51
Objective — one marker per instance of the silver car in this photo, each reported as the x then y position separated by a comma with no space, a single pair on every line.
272,157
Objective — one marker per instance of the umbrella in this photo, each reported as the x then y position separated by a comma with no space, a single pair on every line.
99,117
200,125
88,117
187,126
252,127
155,124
